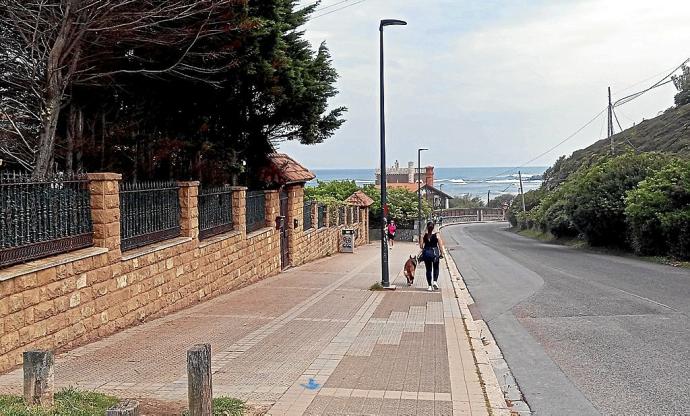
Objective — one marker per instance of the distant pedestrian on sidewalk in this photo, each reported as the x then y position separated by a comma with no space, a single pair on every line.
432,247
392,228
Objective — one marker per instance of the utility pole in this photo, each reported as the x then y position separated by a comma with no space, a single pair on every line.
488,197
610,125
522,192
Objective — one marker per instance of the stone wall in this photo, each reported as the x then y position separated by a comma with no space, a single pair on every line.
74,298
315,243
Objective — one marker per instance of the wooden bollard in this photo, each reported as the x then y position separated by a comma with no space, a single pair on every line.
39,377
124,408
199,386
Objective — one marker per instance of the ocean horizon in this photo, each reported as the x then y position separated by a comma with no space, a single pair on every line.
456,181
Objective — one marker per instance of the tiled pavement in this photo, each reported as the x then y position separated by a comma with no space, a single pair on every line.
311,341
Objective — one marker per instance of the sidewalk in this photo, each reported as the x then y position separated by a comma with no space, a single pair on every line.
312,340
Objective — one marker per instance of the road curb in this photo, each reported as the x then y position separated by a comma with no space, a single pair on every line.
492,389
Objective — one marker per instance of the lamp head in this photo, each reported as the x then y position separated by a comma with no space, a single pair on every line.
422,149
392,22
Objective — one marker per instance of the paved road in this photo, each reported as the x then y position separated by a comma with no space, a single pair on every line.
583,333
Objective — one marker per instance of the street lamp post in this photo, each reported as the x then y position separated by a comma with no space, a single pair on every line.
385,279
419,193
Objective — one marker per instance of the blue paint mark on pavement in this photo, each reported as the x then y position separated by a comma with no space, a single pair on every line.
311,385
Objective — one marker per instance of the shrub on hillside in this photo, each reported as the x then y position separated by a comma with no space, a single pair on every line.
658,212
595,199
532,199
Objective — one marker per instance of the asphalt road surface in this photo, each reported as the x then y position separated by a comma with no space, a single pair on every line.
584,333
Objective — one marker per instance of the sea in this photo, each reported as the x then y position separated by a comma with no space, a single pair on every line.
458,182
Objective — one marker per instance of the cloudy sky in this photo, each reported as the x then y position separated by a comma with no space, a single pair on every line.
492,82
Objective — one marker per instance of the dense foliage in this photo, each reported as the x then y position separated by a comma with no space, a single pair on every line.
466,201
160,89
331,190
637,200
658,212
402,204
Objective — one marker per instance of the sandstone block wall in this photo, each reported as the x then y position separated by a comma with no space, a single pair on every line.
74,298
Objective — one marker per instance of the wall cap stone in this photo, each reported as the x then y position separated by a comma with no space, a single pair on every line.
104,176
237,188
53,261
218,238
152,248
259,232
187,184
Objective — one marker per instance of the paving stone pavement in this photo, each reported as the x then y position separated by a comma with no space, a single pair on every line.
310,341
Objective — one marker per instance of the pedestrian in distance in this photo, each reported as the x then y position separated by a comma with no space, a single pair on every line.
392,228
432,252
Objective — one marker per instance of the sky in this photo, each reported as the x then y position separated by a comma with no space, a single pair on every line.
491,82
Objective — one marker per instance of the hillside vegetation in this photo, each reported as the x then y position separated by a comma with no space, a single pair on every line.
636,199
667,133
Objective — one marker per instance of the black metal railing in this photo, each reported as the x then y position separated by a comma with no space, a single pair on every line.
256,210
215,211
341,215
44,217
149,213
321,216
307,215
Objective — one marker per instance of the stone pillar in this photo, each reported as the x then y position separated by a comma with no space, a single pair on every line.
239,209
314,214
39,378
105,212
272,207
189,209
295,212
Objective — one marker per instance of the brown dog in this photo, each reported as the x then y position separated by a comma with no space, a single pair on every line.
409,269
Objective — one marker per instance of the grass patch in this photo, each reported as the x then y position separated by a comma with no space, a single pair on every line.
537,235
579,243
376,287
68,402
226,406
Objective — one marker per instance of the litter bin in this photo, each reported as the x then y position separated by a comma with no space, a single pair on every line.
347,241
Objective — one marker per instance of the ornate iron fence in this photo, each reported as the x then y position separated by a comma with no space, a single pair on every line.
256,210
215,211
40,218
321,216
306,222
149,212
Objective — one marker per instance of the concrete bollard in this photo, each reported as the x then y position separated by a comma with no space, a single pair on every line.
124,408
39,377
199,385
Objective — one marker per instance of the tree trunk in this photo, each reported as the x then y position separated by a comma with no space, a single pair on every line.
54,92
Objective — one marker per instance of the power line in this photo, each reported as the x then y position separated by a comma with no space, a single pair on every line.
338,9
553,147
326,7
663,81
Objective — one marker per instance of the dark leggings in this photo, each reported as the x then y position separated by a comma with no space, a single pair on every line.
428,264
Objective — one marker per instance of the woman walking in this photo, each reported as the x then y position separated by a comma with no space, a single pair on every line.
391,233
432,247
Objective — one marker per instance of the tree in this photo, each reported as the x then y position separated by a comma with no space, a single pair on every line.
596,198
402,205
682,84
658,212
337,190
169,88
466,201
501,200
59,44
